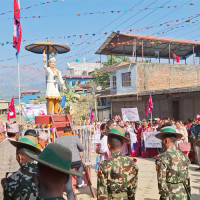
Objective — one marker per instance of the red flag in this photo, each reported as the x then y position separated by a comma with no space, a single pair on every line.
150,101
176,57
148,111
17,35
11,112
150,106
91,114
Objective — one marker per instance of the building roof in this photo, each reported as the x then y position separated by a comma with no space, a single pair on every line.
111,68
3,101
167,91
77,76
123,44
30,91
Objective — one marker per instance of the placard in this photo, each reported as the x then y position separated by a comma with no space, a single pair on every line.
29,111
150,141
130,114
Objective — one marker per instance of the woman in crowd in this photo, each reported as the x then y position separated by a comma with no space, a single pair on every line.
102,149
147,152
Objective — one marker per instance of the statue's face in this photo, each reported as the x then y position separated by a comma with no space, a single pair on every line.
52,64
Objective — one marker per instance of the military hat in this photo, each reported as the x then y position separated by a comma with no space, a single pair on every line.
168,130
120,132
57,157
26,143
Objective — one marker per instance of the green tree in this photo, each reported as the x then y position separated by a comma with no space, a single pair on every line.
101,79
71,96
111,60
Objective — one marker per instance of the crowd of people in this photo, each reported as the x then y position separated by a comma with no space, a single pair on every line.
188,144
33,169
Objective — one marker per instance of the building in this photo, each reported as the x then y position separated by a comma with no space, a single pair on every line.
28,96
3,106
175,88
81,79
82,68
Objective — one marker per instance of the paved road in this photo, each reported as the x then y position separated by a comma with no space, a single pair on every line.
147,184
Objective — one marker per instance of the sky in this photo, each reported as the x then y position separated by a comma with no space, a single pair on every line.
58,20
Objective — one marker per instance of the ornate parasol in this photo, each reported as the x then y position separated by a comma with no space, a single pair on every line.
49,47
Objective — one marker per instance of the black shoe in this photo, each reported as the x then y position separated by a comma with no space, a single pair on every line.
197,169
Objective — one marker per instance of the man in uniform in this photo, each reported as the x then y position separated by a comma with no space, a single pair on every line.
172,168
54,168
118,175
21,184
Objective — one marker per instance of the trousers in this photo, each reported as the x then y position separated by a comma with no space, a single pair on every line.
69,190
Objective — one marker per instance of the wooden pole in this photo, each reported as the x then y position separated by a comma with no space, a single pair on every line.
169,54
193,56
142,52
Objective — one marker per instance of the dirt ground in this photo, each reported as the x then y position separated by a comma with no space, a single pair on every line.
147,184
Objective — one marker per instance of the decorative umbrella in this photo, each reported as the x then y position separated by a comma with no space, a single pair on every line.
49,47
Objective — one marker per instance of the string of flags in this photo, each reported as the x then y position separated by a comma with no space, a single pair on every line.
130,10
177,23
28,7
102,12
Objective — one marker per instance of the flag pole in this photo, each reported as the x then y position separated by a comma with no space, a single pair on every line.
19,90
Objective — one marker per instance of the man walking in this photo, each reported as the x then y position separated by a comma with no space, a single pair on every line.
172,168
118,175
74,144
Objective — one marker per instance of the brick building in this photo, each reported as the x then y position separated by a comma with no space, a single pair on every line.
175,88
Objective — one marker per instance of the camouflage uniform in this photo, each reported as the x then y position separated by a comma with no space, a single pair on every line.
20,185
117,178
172,170
51,198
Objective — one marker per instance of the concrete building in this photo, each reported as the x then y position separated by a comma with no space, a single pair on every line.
28,96
175,88
3,106
82,68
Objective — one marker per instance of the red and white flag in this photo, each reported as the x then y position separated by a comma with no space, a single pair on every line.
11,112
150,106
17,35
176,57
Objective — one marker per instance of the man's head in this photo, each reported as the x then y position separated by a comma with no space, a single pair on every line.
168,140
13,131
31,132
67,129
110,124
23,146
168,135
43,139
115,142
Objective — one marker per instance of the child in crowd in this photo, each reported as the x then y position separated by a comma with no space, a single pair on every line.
126,148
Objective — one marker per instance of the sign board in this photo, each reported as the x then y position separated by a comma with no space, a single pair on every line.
130,114
29,111
150,141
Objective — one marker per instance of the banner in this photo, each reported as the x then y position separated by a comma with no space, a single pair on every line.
150,141
29,111
130,114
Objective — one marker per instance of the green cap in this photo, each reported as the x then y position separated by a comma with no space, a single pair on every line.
120,132
57,157
168,130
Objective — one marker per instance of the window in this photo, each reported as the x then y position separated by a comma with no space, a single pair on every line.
114,82
126,79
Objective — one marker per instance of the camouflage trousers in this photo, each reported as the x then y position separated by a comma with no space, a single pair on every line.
177,192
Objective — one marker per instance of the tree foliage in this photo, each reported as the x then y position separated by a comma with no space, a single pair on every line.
101,79
111,60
